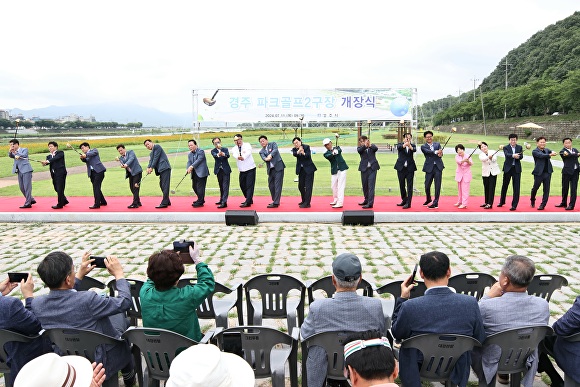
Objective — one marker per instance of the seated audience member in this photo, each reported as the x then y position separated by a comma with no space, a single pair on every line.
346,310
163,304
52,370
205,365
440,310
16,318
64,307
369,360
507,305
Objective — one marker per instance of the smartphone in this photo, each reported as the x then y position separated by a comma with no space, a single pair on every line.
17,277
232,342
98,261
415,273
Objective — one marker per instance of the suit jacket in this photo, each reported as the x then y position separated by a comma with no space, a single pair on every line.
272,149
198,161
368,156
509,158
337,162
440,310
566,353
56,163
463,170
221,162
489,167
540,160
505,312
431,158
304,161
133,166
93,160
404,156
344,311
570,161
21,165
158,160
86,310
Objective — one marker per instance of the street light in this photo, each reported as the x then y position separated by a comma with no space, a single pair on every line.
369,123
17,122
301,119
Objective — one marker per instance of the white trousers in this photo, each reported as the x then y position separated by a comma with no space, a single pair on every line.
338,184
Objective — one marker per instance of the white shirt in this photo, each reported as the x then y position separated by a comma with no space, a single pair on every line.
248,162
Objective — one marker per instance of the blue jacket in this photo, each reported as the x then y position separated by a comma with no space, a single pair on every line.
158,160
93,160
198,162
221,162
566,353
133,166
432,160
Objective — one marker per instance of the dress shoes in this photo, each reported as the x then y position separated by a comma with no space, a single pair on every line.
222,205
103,203
94,207
197,204
26,206
406,206
33,201
272,205
162,206
301,203
532,203
483,205
304,205
512,209
333,203
244,205
541,207
461,206
133,206
363,203
500,204
401,204
218,202
487,207
433,206
561,205
337,205
427,202
367,206
65,202
569,208
57,207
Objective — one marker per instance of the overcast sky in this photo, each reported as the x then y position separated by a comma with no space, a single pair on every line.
154,53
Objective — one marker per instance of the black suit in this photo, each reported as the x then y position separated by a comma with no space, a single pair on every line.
569,175
542,174
512,170
368,168
305,169
58,174
433,168
222,170
406,167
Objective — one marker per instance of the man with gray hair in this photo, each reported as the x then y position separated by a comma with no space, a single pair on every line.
346,310
507,305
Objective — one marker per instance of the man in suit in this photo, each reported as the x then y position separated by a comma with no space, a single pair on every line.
57,172
63,307
406,167
368,168
222,170
133,172
242,152
305,169
512,170
338,169
16,318
433,168
569,174
23,168
197,167
440,310
275,169
501,309
542,172
96,171
346,310
158,161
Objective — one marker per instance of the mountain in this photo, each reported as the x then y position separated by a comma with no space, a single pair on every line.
121,113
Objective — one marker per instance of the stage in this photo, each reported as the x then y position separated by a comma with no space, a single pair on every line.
385,210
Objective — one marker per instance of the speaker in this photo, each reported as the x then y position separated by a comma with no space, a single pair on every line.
364,218
241,217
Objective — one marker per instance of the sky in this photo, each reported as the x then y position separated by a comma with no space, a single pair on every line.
154,53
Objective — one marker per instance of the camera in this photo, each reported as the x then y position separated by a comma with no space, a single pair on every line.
99,261
182,246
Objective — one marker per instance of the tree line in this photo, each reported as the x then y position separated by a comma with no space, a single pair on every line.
51,124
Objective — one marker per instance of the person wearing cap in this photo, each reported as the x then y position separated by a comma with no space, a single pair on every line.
204,365
369,360
368,168
346,310
440,310
242,152
338,169
274,168
305,169
406,167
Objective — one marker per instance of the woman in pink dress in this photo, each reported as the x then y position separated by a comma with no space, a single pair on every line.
462,176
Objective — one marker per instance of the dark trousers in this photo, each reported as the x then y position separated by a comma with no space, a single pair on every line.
545,364
405,177
434,176
59,183
134,186
489,183
569,182
198,185
247,183
97,180
369,179
515,177
275,181
543,180
305,185
164,183
224,183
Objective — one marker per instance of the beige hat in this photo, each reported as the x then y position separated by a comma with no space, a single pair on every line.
204,365
51,370
326,141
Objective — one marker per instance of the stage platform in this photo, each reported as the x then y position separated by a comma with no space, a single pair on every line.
385,211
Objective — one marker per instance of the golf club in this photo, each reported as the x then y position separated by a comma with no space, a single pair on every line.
476,148
137,185
69,146
210,101
175,190
337,137
453,130
499,149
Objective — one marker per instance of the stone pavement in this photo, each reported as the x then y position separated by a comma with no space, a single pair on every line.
235,254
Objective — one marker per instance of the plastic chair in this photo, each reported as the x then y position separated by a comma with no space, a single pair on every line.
267,350
472,284
217,308
159,347
88,283
325,284
543,285
134,313
275,303
333,343
440,353
516,346
394,289
7,336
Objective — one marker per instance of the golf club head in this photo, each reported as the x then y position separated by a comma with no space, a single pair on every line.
173,192
209,101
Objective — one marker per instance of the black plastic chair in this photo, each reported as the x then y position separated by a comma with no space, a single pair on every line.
276,301
333,343
217,308
543,285
440,353
7,336
88,283
267,350
516,346
472,284
394,289
325,284
134,313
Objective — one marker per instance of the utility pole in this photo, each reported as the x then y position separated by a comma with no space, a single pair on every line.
482,112
506,86
474,80
459,95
